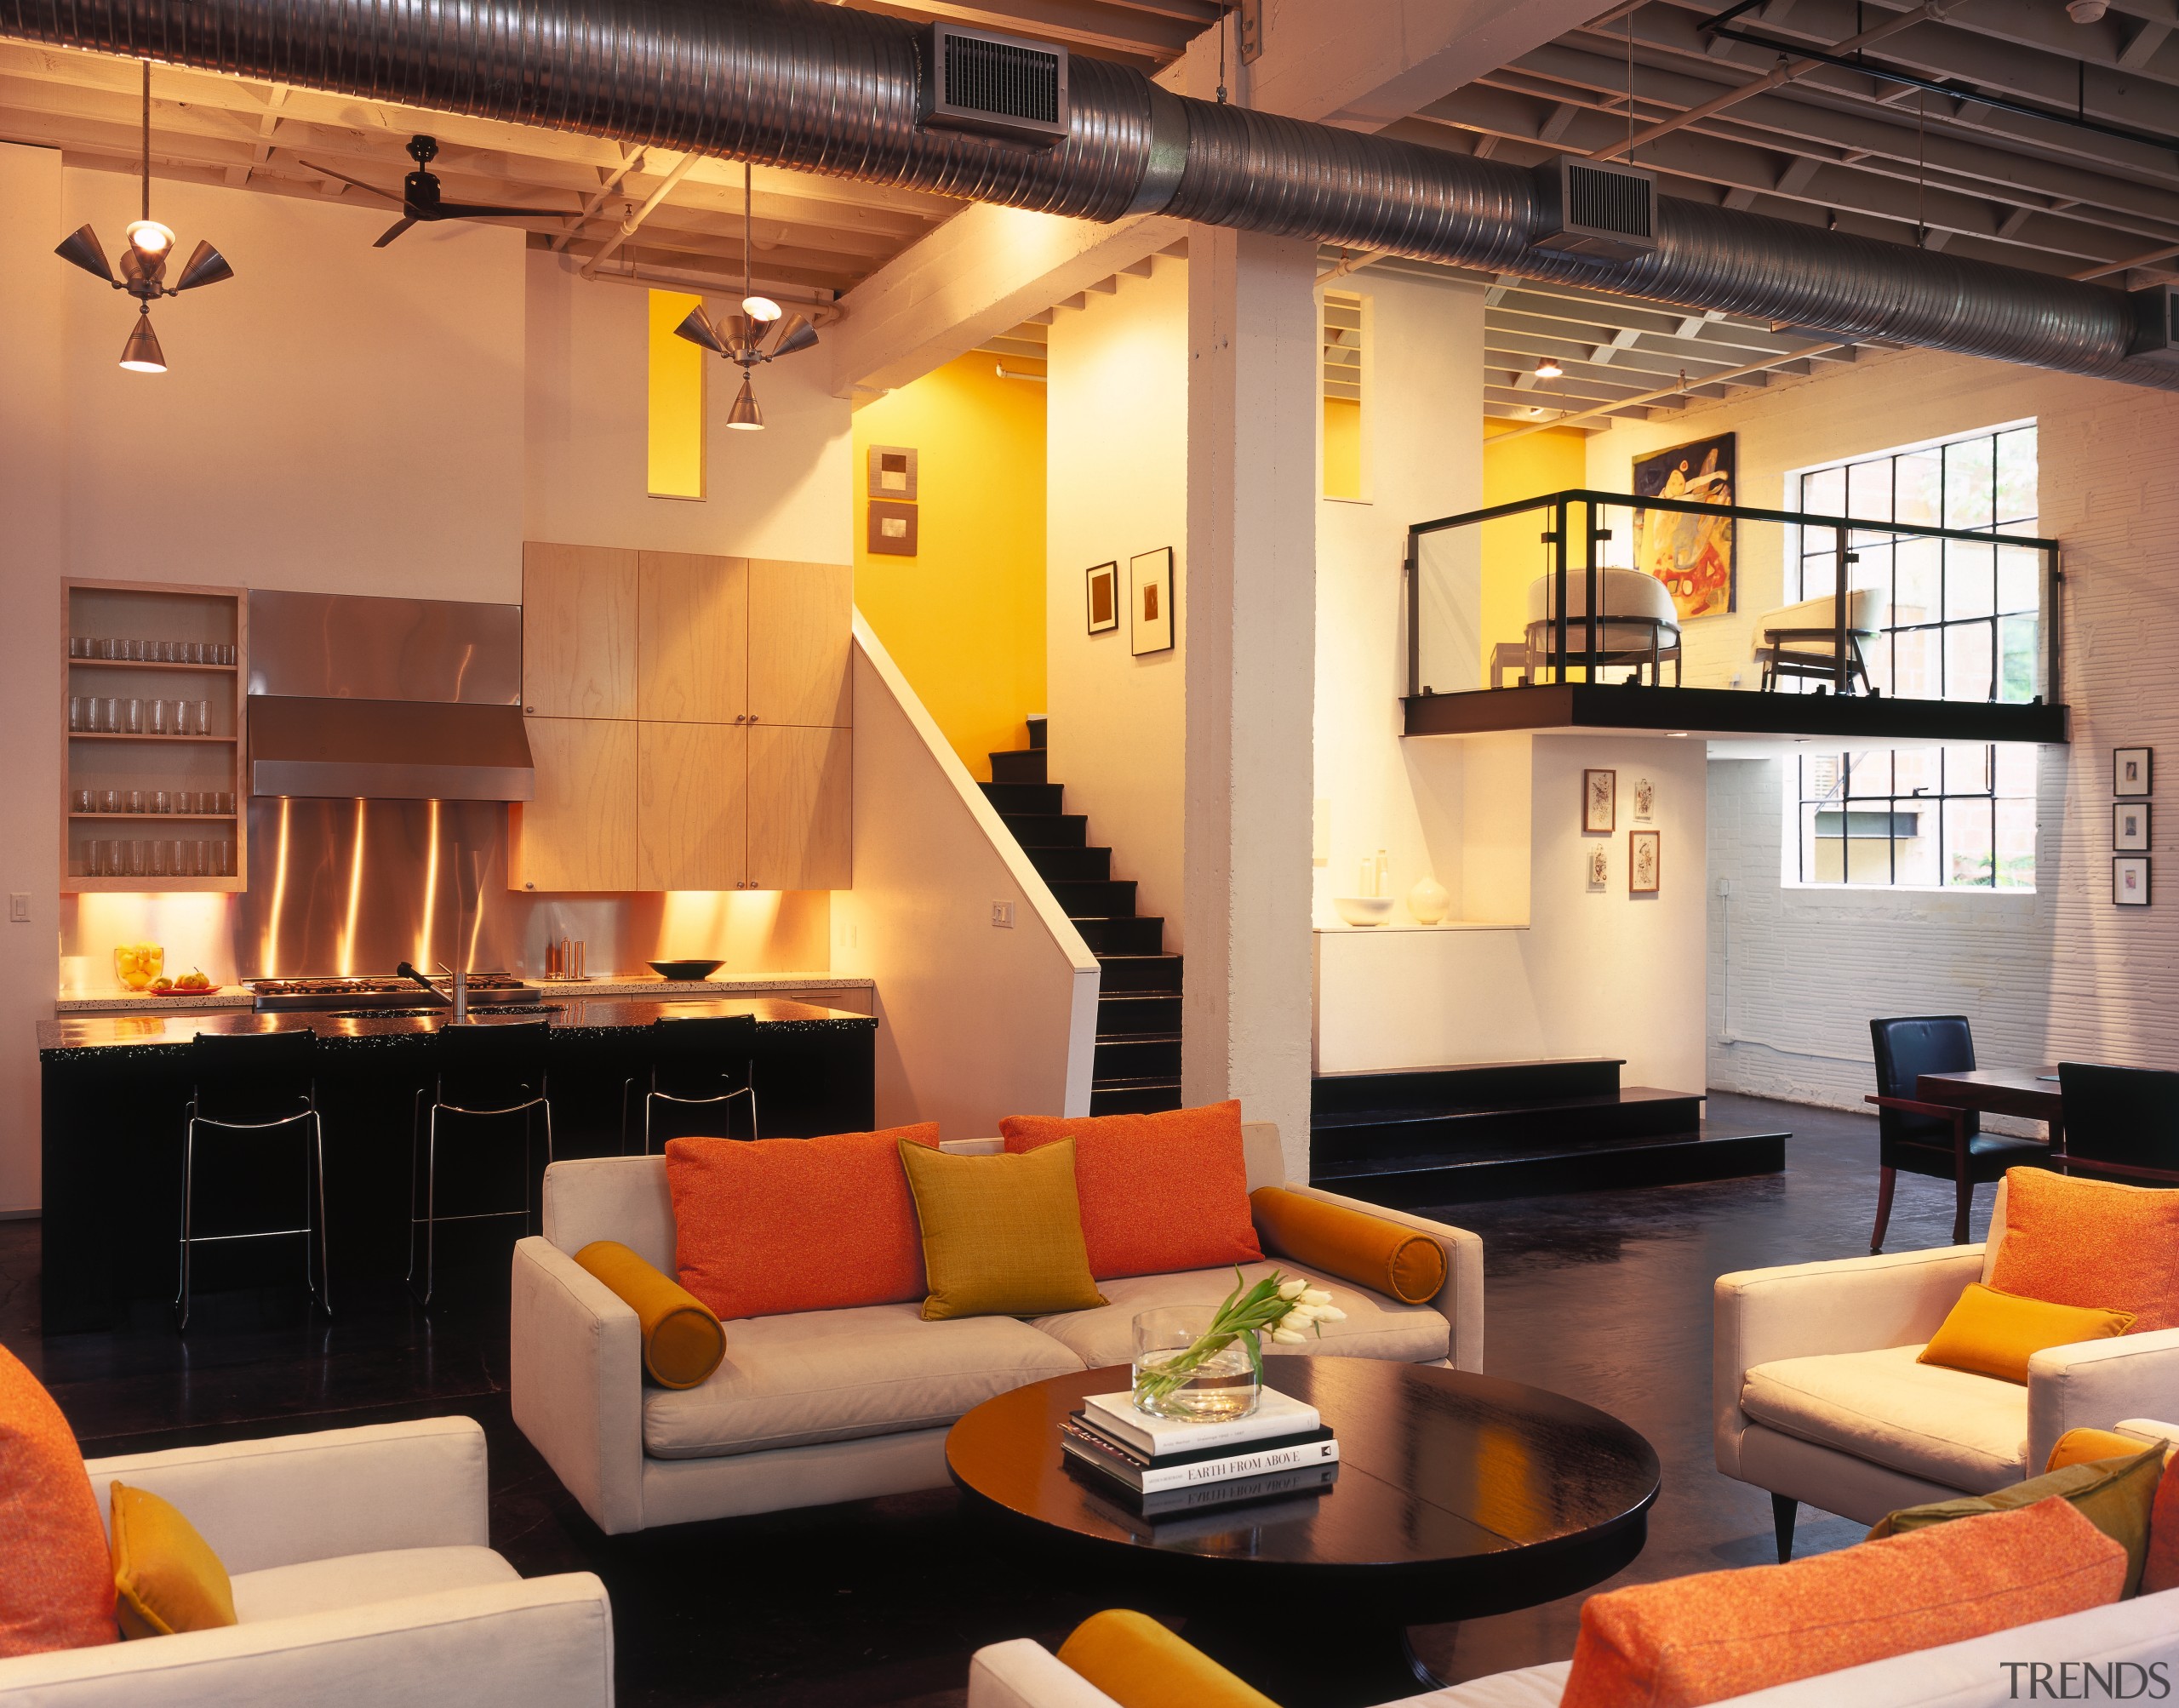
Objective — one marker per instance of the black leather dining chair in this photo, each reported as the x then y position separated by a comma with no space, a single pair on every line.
694,1062
2121,1122
1932,1139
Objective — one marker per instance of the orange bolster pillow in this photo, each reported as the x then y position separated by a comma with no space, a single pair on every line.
682,1341
1367,1250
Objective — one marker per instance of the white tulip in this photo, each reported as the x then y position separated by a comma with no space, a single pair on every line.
1308,1312
1293,1323
1330,1313
1316,1296
1293,1289
1287,1337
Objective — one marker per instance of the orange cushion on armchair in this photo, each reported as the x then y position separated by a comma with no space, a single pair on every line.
1158,1192
769,1226
2078,1241
56,1577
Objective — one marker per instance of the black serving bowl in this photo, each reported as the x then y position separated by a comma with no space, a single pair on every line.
685,970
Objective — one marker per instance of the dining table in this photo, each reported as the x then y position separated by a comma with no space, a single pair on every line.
2029,1093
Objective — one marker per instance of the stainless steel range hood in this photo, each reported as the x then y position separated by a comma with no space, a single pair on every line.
386,699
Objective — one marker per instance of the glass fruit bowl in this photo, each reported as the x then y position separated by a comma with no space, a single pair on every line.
136,964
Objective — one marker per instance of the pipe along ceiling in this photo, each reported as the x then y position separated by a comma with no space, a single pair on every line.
821,89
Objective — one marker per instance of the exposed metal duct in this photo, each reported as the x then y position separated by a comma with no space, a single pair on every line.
822,88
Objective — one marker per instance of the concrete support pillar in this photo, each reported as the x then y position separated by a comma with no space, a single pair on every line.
1250,612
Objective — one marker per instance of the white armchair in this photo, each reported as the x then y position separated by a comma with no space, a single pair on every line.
361,1580
1817,1396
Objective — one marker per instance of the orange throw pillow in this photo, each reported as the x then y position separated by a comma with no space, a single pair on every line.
770,1225
1724,1634
2161,1570
2077,1242
56,1577
1158,1192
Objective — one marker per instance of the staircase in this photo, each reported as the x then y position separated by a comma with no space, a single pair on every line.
1452,1135
1137,1066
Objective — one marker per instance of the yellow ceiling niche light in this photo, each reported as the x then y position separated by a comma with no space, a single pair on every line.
677,400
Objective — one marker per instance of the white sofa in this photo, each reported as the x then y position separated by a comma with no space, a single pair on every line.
1022,1674
823,1405
1817,1395
361,1580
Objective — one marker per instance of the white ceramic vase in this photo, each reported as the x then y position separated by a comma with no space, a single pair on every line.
1428,902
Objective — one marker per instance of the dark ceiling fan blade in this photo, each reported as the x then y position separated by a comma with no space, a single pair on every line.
394,230
359,184
473,210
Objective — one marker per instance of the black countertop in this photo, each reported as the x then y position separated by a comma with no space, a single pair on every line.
157,1036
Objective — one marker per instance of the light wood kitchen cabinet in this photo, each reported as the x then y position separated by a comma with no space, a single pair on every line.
801,616
692,818
579,626
801,808
578,830
692,650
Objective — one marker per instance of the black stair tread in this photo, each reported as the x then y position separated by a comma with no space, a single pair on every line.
1455,1070
1704,1132
1048,830
1156,1082
1342,1119
1465,1084
1138,1037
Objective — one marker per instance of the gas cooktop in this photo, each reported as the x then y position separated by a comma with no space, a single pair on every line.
379,994
442,1012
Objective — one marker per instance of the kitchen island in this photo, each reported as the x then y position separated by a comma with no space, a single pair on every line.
115,1087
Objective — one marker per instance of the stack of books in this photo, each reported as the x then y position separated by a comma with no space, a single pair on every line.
1171,1465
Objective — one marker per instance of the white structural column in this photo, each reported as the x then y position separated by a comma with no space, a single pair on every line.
1250,607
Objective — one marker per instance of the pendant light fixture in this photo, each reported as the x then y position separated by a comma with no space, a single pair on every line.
761,332
143,263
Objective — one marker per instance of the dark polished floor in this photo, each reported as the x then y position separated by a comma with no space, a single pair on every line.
1604,1296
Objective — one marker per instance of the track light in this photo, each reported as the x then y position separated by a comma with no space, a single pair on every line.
1548,368
149,247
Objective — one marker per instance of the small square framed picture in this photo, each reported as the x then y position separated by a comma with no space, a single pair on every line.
1152,574
892,529
2129,826
2129,881
2132,770
1103,592
1599,803
1644,861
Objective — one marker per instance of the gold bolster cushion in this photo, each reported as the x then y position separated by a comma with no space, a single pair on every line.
166,1578
1367,1250
682,1341
1139,1664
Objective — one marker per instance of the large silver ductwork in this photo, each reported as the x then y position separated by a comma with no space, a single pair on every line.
821,89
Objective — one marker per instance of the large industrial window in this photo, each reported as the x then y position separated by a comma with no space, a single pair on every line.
676,400
1960,622
1344,370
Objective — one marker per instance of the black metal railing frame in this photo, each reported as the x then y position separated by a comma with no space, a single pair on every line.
1843,528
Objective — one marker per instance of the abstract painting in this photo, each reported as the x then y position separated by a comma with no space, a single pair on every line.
1691,554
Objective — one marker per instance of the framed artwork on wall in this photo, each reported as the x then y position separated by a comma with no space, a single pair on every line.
2132,770
1644,861
892,529
1599,865
2129,881
1691,554
1599,803
1151,575
892,472
1102,590
1645,801
2129,825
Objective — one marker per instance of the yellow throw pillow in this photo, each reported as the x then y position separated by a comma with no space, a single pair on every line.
682,1341
2086,1446
1002,1236
1139,1664
2116,1495
166,1578
1367,1250
1993,1334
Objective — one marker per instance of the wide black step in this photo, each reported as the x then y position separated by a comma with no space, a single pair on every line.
1135,1097
1023,797
1128,974
1152,1058
1481,1085
1390,1140
1705,1152
1137,1015
1111,898
1018,765
1048,830
1071,865
1122,936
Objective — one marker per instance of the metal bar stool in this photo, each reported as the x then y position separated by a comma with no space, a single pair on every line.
692,1058
248,1087
482,1071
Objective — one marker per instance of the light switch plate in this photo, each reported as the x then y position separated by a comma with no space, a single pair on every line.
18,909
1002,915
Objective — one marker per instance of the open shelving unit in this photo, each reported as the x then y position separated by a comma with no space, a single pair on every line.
99,760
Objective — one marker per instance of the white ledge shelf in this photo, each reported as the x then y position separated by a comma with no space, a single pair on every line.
1342,929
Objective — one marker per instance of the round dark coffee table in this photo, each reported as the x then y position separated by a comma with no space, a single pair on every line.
1458,1496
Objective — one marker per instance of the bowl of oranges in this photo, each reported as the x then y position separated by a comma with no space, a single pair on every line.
137,965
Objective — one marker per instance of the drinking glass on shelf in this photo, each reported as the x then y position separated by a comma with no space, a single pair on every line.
109,800
132,715
161,801
104,647
163,721
77,716
132,855
79,801
78,647
225,803
105,715
173,854
138,801
96,858
226,858
228,652
133,651
200,718
155,863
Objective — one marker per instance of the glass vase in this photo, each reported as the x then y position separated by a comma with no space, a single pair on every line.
1180,1371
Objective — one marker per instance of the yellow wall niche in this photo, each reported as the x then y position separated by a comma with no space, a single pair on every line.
964,617
1342,448
1552,460
677,400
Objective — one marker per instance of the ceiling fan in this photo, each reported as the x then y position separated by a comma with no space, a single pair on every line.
420,197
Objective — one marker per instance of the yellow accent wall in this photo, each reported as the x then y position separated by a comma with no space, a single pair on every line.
1342,448
1549,461
964,617
676,400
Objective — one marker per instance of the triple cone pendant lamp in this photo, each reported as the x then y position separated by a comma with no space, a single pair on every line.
144,264
762,331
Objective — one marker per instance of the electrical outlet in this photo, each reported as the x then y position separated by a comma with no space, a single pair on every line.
1002,915
18,909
